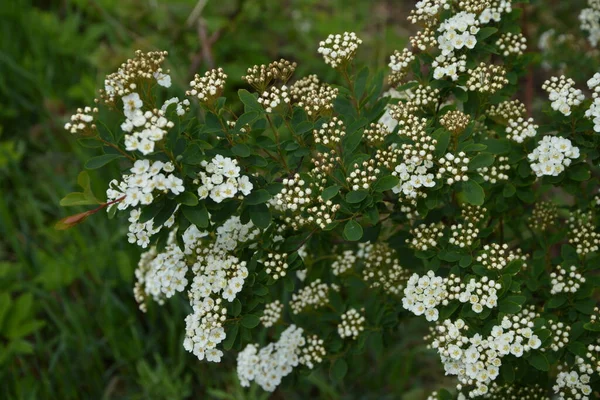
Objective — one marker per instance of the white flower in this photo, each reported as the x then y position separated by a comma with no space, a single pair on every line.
163,79
131,103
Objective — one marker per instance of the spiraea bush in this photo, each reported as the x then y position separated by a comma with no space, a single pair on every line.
305,219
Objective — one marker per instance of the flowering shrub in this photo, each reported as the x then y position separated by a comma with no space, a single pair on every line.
328,215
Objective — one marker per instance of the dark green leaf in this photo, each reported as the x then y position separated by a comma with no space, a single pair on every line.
356,196
196,215
259,196
250,321
481,160
353,231
338,369
386,183
100,161
539,361
473,193
250,101
330,192
187,199
260,215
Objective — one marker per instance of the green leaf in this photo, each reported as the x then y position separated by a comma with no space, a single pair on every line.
443,139
260,215
473,193
485,33
245,119
508,307
91,143
386,183
539,361
241,150
590,326
76,199
187,199
556,301
353,231
86,197
330,192
356,196
236,307
250,321
481,160
509,190
338,369
351,140
361,82
259,196
231,336
250,102
100,161
579,172
196,215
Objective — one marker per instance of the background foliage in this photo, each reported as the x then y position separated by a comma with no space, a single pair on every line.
69,326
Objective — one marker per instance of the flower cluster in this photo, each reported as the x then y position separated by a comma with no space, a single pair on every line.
315,295
455,167
339,49
343,262
425,11
143,67
330,133
494,11
269,365
543,215
590,21
507,110
273,97
486,78
83,121
399,62
221,180
464,234
455,121
582,233
457,32
565,282
476,360
562,93
512,43
496,256
364,175
495,173
314,97
593,112
261,76
382,268
144,129
424,293
520,129
276,265
376,133
209,87
414,172
480,294
572,383
145,183
353,323
425,236
552,155
449,65
271,314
